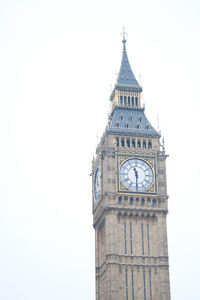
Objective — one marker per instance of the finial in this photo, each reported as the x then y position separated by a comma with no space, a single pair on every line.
163,142
162,145
124,35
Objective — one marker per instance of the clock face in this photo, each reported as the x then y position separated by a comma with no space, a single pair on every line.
136,175
97,186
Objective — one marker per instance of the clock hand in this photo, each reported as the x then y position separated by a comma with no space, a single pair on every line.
98,183
136,176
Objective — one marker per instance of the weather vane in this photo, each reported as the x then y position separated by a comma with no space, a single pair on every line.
124,35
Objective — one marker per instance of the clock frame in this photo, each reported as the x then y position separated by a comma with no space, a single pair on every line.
150,160
97,184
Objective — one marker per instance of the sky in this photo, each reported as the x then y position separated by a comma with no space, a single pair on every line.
58,64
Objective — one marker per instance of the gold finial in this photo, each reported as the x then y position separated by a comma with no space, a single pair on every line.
124,35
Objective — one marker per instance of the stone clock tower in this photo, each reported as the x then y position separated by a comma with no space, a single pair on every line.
130,200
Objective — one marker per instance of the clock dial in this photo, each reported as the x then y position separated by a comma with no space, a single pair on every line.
136,175
97,186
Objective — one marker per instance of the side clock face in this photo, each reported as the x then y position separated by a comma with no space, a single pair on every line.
136,175
97,186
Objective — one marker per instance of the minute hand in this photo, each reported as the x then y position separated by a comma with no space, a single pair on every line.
136,177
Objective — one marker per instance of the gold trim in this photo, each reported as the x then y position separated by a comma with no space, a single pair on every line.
97,164
149,160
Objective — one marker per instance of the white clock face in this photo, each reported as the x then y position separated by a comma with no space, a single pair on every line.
136,175
97,186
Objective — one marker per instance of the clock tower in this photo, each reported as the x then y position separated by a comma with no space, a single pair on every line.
130,201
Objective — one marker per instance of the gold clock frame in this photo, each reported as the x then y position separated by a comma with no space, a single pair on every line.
150,160
97,164
95,174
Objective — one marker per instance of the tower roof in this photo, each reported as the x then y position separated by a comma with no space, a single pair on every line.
126,80
126,77
130,121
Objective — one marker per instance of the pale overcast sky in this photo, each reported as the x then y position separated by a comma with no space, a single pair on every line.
58,60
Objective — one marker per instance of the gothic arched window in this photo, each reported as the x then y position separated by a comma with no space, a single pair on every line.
122,142
124,100
117,141
132,98
154,202
121,100
128,142
133,143
149,144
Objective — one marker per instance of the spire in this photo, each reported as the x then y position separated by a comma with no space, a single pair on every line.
126,77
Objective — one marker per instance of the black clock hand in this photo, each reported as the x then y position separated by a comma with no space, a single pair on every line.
98,182
136,176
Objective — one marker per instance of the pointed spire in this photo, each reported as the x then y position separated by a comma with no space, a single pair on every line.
126,77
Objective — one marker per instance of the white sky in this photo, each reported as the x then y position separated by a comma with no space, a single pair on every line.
58,59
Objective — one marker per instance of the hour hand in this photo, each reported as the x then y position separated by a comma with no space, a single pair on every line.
136,177
136,173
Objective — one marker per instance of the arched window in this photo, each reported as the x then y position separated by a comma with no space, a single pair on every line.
121,117
117,142
139,144
117,124
129,101
126,126
128,142
120,199
149,144
121,100
133,143
131,118
154,202
122,142
137,126
132,98
144,144
124,100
